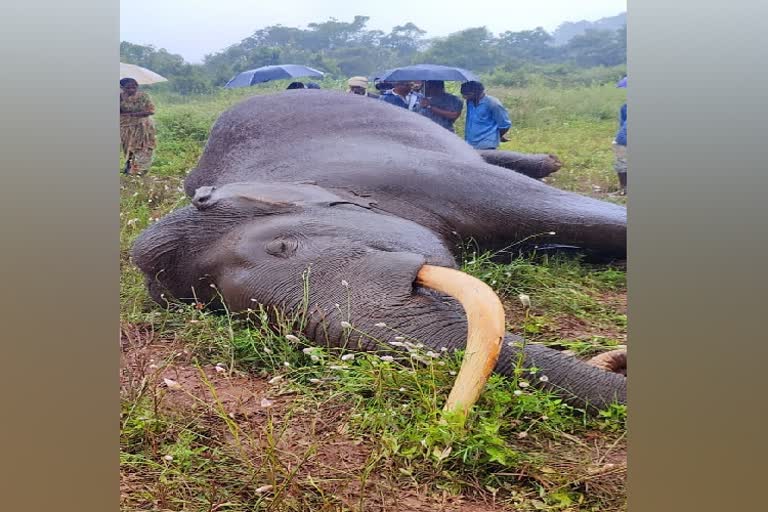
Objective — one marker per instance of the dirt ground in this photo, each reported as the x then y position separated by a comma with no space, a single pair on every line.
267,425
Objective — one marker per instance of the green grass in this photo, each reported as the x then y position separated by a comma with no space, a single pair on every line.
522,448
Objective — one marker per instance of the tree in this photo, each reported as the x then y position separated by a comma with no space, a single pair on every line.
530,45
404,40
598,48
473,48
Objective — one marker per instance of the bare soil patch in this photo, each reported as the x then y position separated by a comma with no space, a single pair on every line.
305,448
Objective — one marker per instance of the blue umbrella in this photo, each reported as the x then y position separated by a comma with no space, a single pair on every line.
427,72
622,84
267,73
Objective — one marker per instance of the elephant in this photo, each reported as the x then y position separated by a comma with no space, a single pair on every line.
334,204
399,163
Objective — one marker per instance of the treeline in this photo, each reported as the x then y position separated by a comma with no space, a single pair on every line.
346,49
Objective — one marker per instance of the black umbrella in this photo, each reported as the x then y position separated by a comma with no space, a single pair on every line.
424,72
267,73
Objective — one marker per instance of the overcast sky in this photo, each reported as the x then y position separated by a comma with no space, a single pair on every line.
194,28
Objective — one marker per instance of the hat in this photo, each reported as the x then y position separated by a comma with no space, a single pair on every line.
358,81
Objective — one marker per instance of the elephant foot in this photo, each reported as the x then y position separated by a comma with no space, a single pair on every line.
614,361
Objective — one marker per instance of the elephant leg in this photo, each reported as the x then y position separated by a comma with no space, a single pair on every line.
532,165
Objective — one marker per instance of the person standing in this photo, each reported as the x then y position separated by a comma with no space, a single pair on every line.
359,85
620,151
137,129
438,105
487,120
402,96
620,144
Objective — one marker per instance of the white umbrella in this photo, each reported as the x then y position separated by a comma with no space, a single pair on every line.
142,75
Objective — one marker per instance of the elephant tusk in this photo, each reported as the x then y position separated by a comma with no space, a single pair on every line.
612,361
485,326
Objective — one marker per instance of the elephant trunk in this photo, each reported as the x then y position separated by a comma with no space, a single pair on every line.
577,382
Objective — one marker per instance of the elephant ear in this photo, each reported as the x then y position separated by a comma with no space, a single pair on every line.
255,197
206,197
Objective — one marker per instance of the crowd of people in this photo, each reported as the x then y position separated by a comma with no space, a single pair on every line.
486,121
485,127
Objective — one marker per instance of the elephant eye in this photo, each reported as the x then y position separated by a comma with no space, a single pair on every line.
282,247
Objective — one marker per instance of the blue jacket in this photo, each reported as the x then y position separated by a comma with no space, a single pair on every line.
621,135
483,122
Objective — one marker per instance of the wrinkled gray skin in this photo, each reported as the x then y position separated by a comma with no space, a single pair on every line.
254,240
399,163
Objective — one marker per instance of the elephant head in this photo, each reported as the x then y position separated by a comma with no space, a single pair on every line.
293,246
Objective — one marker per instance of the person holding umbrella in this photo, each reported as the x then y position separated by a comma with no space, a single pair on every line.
402,96
438,105
487,119
137,129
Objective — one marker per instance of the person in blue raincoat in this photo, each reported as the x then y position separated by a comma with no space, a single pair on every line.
487,120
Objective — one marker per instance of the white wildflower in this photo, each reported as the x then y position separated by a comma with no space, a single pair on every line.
168,458
380,324
337,367
276,379
346,325
402,390
220,369
552,233
544,418
267,403
212,285
399,338
387,359
452,373
397,343
432,354
315,381
347,357
263,489
291,337
525,300
314,358
267,350
441,363
517,392
286,364
344,283
172,384
522,435
523,384
544,378
308,350
443,349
